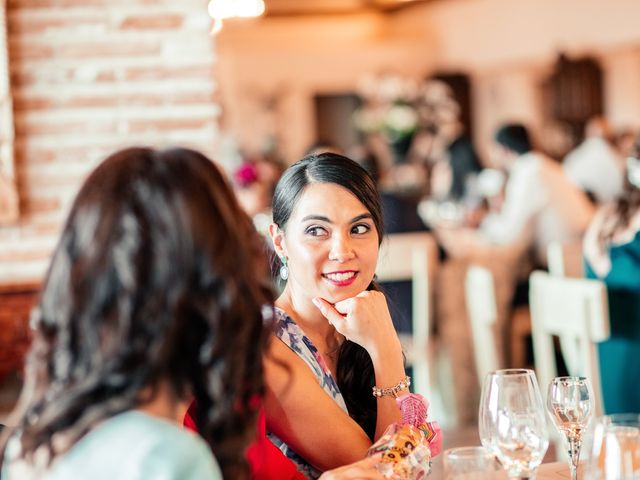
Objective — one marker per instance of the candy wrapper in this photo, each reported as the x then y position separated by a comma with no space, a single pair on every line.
406,447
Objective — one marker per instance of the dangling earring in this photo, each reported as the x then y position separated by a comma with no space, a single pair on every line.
284,270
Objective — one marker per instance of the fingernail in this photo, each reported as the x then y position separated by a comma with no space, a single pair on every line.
316,302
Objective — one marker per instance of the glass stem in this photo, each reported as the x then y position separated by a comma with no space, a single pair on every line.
574,455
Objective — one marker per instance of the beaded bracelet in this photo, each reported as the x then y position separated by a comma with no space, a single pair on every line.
403,384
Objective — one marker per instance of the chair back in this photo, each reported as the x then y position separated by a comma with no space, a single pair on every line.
576,311
481,308
408,256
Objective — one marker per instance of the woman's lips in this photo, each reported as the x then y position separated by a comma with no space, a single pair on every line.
342,278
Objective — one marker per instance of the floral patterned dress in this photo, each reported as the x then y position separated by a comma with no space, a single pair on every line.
288,331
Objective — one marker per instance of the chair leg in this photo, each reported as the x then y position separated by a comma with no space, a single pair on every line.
520,332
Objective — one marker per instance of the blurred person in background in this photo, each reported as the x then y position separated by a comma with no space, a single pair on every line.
624,142
612,254
540,205
595,166
452,175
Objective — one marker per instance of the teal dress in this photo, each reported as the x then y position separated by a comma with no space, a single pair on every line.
128,446
620,354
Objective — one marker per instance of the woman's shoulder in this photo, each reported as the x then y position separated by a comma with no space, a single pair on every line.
137,446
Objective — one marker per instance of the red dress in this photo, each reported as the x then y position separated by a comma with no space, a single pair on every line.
267,462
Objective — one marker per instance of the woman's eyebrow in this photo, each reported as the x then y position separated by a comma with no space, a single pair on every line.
322,218
361,217
317,217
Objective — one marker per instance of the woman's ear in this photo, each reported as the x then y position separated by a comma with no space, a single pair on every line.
277,238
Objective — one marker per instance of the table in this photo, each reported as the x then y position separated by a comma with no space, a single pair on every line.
549,471
556,471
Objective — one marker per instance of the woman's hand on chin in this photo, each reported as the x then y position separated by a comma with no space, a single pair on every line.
365,320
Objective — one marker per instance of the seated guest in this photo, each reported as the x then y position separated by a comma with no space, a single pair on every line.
335,338
142,310
540,205
595,166
612,254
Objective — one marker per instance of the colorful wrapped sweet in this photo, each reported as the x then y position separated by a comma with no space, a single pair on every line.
406,447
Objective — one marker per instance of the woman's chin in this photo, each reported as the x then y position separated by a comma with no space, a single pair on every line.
334,297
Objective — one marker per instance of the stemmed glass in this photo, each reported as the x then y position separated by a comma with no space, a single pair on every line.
570,404
512,421
615,448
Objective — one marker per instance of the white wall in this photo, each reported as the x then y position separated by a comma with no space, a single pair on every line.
296,58
507,46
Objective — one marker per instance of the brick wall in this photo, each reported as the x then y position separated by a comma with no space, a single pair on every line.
90,76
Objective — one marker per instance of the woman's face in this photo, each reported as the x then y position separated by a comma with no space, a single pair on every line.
331,244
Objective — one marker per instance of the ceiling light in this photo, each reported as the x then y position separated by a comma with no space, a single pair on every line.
225,9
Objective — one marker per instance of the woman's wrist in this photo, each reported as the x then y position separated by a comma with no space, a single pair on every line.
390,349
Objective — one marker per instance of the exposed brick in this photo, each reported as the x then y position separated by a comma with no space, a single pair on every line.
42,205
168,124
152,22
166,71
88,77
25,51
101,50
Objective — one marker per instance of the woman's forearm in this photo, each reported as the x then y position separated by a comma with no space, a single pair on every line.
389,371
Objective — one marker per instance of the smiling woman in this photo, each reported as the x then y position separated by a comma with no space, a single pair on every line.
337,340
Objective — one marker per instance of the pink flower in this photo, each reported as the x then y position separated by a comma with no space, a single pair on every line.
245,175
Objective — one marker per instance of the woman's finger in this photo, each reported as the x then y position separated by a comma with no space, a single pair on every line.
330,313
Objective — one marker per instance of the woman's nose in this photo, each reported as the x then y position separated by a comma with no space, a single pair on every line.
341,249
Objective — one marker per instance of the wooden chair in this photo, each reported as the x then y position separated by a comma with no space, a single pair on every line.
576,311
481,308
409,256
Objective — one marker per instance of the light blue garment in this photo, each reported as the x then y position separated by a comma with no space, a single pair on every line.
129,446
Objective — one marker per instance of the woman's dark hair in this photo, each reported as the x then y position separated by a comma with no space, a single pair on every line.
153,281
515,137
355,374
625,206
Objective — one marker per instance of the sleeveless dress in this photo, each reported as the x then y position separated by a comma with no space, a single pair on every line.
288,331
618,356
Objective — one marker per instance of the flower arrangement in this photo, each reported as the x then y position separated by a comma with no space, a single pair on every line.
396,107
246,174
387,107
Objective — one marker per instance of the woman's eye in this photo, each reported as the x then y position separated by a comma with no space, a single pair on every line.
315,231
360,229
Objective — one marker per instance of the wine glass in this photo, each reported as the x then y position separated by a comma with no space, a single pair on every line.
570,404
512,421
469,463
615,449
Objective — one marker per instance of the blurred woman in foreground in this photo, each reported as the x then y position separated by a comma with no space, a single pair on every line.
151,299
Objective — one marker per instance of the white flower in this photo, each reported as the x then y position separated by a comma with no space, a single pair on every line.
400,120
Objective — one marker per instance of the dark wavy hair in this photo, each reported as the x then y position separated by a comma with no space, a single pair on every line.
515,137
153,280
624,206
355,374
